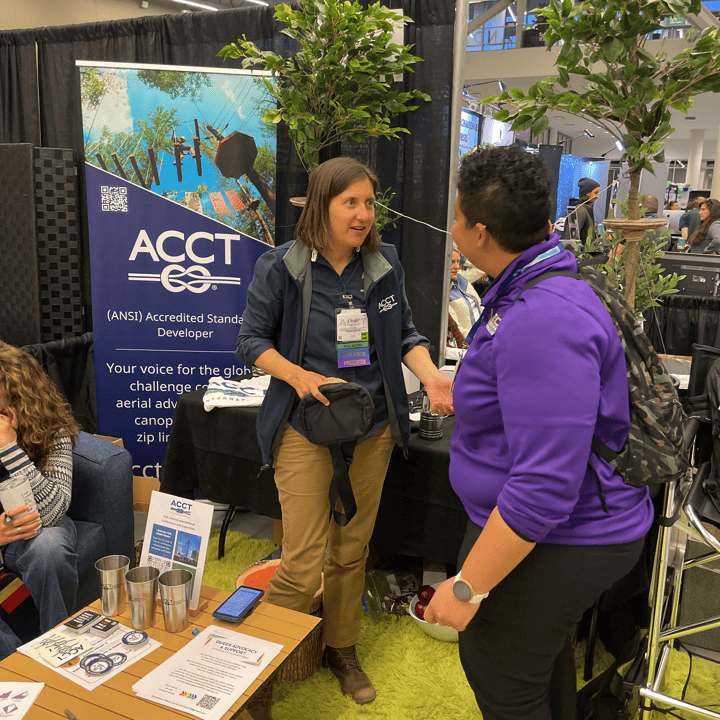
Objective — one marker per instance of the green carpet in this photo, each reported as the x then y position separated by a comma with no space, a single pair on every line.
416,677
240,551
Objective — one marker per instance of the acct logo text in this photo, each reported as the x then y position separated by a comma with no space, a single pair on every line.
174,247
181,508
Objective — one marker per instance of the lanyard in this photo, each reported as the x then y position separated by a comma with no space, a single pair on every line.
504,288
502,291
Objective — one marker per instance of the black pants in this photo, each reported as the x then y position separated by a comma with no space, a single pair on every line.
516,651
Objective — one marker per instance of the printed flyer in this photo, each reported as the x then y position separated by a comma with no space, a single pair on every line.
209,674
16,698
176,537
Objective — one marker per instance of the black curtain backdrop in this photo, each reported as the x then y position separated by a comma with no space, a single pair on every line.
19,109
681,320
40,104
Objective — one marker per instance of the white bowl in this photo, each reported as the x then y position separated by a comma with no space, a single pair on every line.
439,632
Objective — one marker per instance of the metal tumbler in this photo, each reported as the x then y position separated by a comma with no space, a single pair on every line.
111,570
142,585
175,588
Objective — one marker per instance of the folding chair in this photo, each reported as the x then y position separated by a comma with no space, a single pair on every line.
688,504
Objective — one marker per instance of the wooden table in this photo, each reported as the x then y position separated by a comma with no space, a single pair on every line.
115,699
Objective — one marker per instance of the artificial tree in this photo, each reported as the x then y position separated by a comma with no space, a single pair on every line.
620,87
339,84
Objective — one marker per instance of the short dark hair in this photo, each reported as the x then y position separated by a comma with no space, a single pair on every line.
692,205
508,190
328,180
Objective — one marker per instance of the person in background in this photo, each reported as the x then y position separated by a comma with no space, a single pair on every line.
465,304
37,432
588,190
706,239
543,375
648,203
672,205
455,339
689,222
336,268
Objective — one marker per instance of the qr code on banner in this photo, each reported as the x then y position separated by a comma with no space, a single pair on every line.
113,199
208,702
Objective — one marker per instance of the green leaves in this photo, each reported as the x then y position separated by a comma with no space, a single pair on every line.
339,84
605,75
611,49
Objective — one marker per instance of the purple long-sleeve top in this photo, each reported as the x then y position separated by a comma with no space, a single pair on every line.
539,380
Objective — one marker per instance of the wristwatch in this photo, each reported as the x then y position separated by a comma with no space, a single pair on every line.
462,590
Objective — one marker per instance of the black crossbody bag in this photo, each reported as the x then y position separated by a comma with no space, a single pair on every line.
338,427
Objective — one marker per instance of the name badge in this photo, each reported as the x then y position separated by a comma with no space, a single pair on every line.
352,335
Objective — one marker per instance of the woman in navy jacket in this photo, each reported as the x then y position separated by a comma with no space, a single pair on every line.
301,296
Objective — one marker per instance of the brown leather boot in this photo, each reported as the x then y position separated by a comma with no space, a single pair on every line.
259,707
345,666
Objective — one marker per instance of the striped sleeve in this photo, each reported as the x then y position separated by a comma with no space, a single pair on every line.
52,490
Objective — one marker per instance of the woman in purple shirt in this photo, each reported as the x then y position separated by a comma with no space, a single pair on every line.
541,377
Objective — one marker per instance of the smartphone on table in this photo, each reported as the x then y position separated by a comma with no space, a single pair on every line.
239,604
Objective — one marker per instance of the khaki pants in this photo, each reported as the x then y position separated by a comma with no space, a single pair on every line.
303,472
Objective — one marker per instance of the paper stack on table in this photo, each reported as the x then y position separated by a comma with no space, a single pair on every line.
89,660
209,674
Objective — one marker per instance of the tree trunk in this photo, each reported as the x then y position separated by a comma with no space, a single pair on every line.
330,151
633,241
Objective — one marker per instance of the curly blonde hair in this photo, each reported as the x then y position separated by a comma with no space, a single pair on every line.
41,412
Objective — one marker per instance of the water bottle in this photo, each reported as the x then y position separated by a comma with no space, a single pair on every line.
17,491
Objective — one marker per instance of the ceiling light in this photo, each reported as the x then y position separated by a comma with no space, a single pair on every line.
503,86
620,145
585,132
201,6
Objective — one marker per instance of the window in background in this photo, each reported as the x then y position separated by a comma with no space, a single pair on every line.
495,132
470,123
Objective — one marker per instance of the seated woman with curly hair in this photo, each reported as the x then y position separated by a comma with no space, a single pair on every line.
37,433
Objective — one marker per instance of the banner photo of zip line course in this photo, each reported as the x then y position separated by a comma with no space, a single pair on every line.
180,174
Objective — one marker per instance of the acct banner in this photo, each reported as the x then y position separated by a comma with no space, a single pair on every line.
171,236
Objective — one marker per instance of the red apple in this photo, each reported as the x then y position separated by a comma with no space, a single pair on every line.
420,606
426,592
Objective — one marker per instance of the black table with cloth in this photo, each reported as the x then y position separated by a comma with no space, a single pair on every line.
216,454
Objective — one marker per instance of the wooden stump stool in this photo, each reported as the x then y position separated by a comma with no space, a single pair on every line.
302,665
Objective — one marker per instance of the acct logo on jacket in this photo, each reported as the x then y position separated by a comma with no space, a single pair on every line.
173,247
387,304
